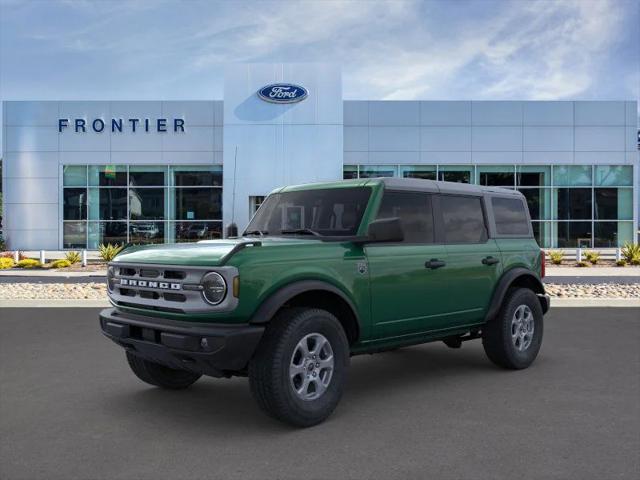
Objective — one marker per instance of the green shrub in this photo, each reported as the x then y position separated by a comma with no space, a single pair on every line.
556,256
592,257
631,253
621,263
109,251
62,263
6,263
29,263
2,244
73,257
582,263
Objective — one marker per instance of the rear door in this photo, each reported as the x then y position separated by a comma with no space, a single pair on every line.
474,262
407,284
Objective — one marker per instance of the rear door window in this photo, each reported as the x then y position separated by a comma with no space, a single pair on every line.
415,213
463,219
510,216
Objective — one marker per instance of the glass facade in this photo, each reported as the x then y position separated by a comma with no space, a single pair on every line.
590,206
140,204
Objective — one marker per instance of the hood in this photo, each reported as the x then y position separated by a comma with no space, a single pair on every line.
207,253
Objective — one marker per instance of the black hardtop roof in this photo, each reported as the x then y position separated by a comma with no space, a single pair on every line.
418,184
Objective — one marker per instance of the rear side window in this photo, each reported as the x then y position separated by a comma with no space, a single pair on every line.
510,216
463,219
414,211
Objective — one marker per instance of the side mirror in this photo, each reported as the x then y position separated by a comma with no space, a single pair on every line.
385,230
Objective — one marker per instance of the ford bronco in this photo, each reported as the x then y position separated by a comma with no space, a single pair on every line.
327,271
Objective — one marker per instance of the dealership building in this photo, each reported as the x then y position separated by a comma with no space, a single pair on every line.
80,173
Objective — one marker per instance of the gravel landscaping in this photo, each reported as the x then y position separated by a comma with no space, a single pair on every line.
97,290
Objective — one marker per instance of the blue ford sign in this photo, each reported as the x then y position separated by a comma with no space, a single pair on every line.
283,93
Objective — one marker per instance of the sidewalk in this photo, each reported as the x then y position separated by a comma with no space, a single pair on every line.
593,272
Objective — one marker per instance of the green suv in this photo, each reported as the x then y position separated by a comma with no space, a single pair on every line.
326,271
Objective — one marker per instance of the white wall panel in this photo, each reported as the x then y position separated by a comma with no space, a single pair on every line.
397,113
355,158
496,113
356,139
31,139
600,139
497,139
81,158
136,109
600,113
445,113
442,139
394,139
548,139
86,110
31,190
193,139
195,112
631,139
82,142
30,164
38,113
39,239
27,216
548,113
608,158
394,157
140,141
356,112
631,118
186,158
452,158
496,157
544,158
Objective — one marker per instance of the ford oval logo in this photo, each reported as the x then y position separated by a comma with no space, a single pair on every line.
283,93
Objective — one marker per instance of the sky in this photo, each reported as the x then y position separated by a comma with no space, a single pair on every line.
395,49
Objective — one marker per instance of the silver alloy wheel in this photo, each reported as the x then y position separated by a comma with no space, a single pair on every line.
311,366
522,328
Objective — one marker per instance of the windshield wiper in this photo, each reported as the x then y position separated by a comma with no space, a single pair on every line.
256,232
301,231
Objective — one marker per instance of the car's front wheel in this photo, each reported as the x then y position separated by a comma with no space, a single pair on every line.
298,372
513,338
159,375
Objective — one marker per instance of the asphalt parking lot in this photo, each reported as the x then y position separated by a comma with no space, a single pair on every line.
70,408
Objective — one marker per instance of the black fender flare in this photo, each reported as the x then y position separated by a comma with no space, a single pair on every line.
280,297
506,280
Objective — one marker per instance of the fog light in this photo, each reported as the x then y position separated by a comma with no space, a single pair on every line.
214,288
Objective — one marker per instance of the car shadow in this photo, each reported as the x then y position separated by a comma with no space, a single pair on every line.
227,405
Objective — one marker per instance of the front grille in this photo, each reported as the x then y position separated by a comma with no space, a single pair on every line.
166,288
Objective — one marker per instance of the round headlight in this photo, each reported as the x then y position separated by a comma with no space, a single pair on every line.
111,272
214,288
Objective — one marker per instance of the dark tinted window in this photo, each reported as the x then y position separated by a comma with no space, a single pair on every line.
75,203
463,219
574,203
510,216
414,211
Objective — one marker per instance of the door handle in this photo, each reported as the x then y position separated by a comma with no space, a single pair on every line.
434,263
490,261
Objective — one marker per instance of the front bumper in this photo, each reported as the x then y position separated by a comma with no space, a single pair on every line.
210,349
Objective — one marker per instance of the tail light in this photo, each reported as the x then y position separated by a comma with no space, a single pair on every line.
543,264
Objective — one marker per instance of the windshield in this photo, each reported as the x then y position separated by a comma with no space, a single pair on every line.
322,212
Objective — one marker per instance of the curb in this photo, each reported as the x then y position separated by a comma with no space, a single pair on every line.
594,302
57,303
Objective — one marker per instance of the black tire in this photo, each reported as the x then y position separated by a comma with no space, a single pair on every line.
159,375
269,376
497,333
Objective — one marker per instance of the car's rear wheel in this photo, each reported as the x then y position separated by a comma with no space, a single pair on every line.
298,372
513,338
159,375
